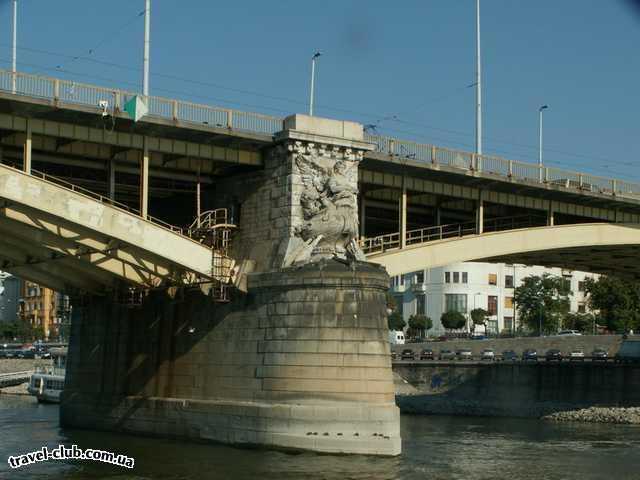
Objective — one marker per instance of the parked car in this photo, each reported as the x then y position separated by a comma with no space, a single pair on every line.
407,354
553,355
509,356
488,354
569,332
426,354
530,355
599,355
447,354
28,353
575,355
464,354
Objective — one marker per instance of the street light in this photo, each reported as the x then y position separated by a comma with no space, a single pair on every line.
147,42
478,84
313,75
543,107
14,46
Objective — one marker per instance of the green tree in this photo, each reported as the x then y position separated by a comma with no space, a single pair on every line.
583,322
395,321
453,320
542,302
616,300
419,324
479,317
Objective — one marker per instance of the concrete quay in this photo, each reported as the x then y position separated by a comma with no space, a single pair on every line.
514,389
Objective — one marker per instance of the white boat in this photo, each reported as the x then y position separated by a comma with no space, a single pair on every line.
47,382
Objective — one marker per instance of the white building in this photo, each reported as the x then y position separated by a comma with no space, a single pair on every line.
465,286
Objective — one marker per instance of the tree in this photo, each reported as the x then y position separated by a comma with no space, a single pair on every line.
453,320
616,300
395,321
419,324
583,322
479,317
543,301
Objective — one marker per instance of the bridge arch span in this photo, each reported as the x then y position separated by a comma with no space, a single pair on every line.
595,247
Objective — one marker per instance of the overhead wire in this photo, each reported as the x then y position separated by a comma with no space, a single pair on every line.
394,118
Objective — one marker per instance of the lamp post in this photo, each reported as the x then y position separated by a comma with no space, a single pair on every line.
14,47
147,42
313,75
478,84
540,110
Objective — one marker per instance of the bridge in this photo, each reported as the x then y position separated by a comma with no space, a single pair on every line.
607,248
199,247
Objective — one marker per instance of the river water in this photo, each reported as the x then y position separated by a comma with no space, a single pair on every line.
433,448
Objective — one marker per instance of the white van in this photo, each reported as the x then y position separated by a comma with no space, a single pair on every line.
396,337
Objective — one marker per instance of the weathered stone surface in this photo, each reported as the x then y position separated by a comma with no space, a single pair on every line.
198,370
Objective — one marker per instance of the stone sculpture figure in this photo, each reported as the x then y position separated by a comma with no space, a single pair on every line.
328,200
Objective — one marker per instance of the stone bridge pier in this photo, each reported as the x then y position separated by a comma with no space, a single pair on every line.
298,359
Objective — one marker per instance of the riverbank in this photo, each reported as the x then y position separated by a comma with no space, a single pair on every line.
617,415
11,365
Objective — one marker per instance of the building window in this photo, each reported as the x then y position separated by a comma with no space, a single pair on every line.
493,279
456,277
420,277
492,304
508,302
508,281
582,308
581,286
456,302
508,324
492,325
465,277
421,305
447,277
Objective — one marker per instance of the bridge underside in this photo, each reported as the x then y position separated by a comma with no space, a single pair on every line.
70,242
597,247
620,260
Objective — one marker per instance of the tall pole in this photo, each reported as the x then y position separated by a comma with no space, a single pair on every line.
313,77
478,84
14,54
147,33
543,107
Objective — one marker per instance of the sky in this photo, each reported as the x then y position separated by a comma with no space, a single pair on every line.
403,66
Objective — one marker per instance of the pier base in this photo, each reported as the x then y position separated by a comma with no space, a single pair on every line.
300,362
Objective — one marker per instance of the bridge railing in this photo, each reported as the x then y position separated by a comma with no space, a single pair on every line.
511,169
191,113
69,91
391,241
100,198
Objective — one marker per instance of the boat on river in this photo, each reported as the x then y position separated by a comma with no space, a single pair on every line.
47,382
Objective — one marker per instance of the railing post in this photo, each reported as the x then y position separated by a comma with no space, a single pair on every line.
580,180
614,186
546,174
510,174
391,146
56,90
478,163
174,109
540,174
117,101
229,118
434,158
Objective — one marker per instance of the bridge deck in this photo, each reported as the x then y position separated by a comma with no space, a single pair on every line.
58,231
